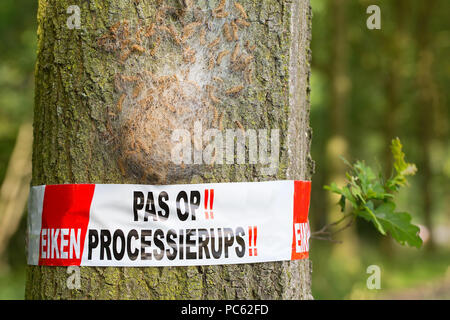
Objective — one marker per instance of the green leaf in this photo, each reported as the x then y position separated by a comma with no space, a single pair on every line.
399,156
398,224
333,188
345,191
342,203
356,190
345,161
368,213
365,190
401,166
365,173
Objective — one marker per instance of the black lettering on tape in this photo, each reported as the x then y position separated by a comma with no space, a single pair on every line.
150,209
105,243
118,234
132,255
171,236
145,244
216,253
195,202
182,196
228,235
138,203
181,245
240,233
164,213
190,244
158,243
203,240
93,242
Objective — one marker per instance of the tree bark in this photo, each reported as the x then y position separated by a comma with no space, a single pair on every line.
93,124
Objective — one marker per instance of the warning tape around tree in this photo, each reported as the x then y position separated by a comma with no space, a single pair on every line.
174,225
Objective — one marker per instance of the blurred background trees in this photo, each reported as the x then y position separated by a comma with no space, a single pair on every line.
368,87
17,59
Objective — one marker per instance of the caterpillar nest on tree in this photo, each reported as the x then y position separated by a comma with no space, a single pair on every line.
205,49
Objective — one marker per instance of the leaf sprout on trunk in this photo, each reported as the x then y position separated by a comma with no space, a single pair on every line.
372,197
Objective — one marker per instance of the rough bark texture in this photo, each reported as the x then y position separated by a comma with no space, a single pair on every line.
81,135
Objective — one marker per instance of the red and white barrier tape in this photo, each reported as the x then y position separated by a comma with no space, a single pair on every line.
175,225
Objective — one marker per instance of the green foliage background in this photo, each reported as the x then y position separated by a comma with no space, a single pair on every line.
17,58
381,74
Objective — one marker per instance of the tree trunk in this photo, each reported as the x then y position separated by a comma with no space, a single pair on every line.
109,94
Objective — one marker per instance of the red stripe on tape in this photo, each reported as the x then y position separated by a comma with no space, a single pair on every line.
300,239
65,218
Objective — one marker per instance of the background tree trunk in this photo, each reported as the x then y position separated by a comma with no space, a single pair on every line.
427,105
338,142
15,187
92,126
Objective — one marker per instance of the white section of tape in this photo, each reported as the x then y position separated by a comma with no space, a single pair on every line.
34,219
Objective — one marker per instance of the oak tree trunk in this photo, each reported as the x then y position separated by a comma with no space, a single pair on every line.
109,94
